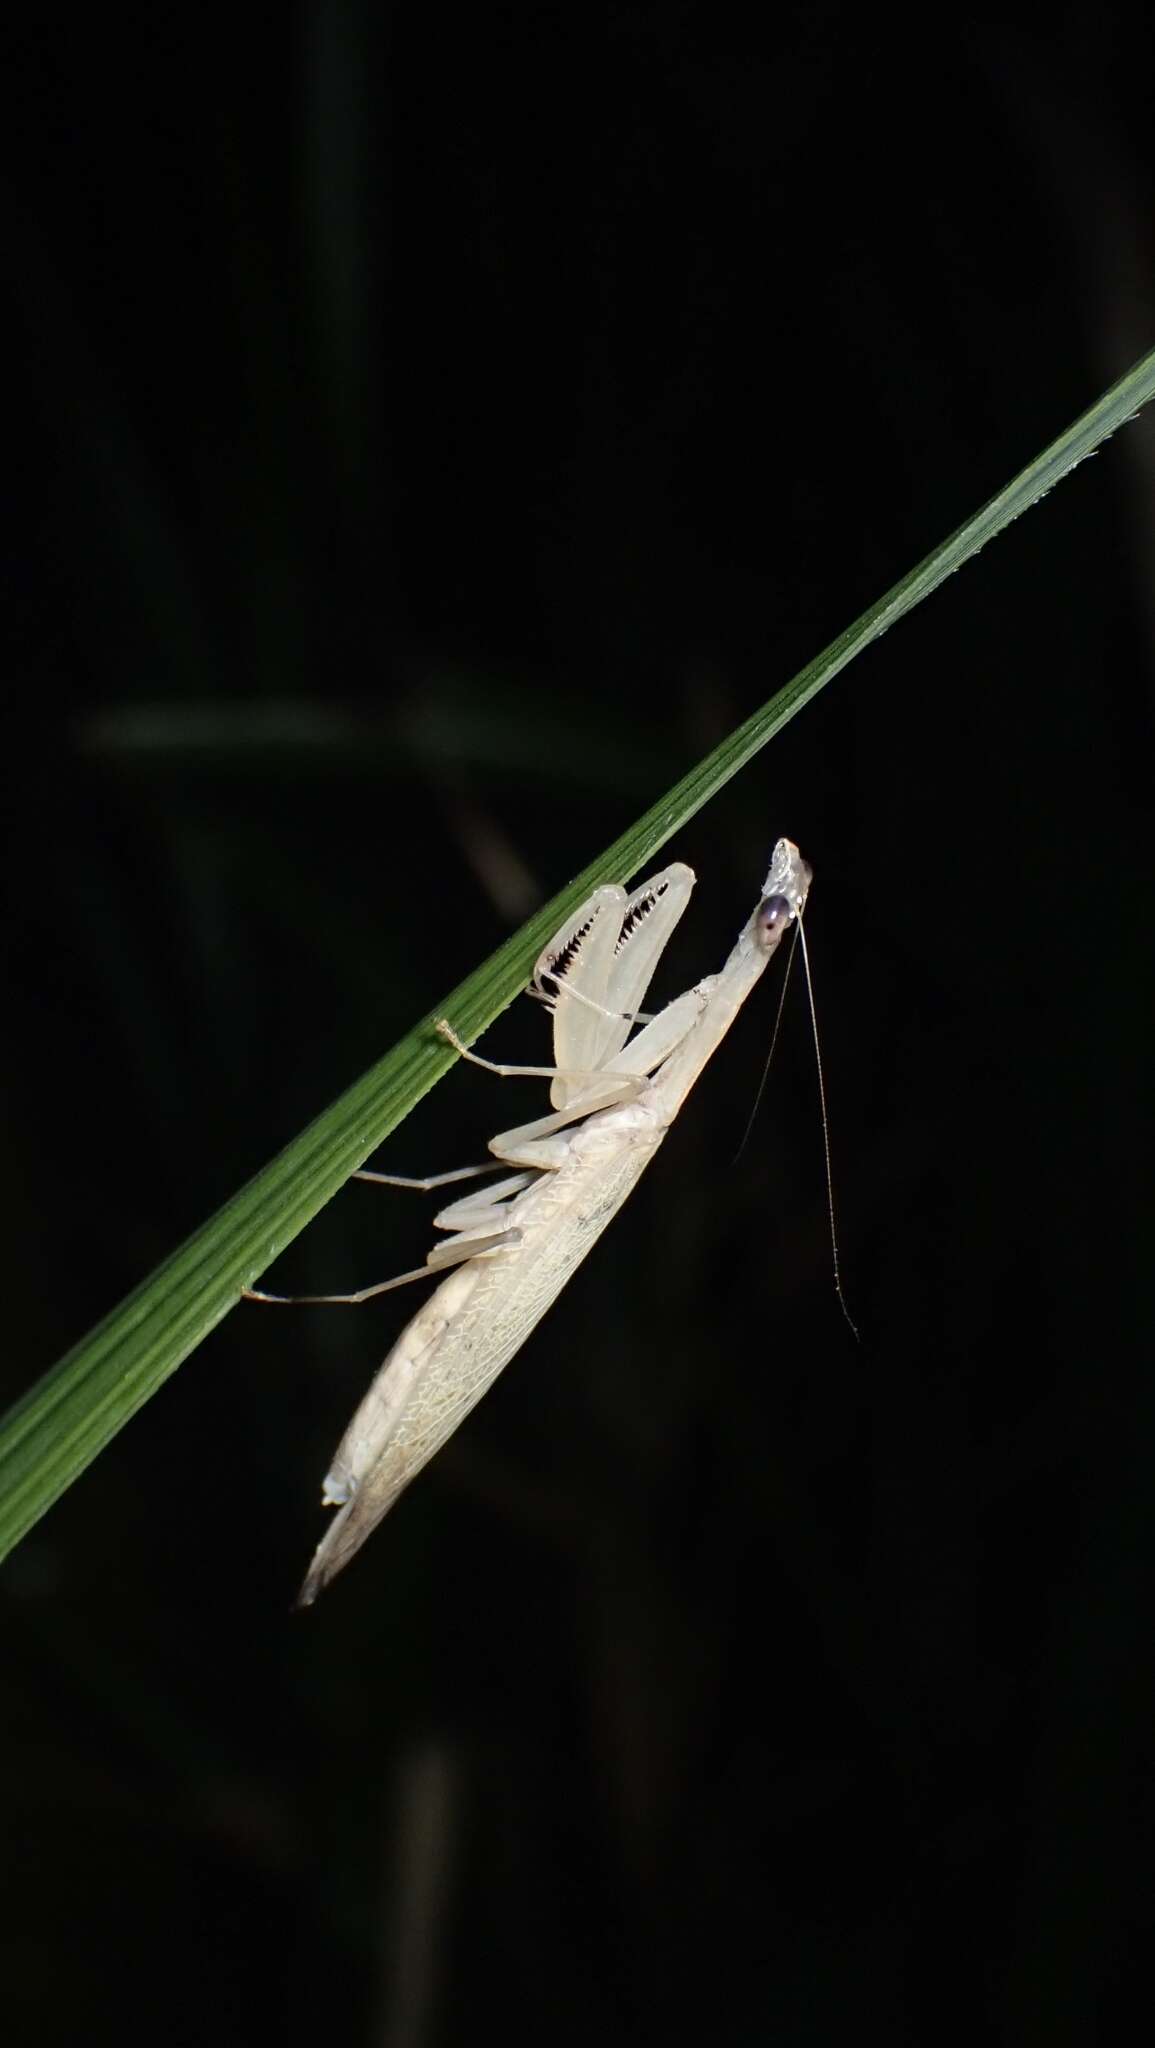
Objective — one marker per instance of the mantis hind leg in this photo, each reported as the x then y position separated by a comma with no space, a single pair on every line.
431,1181
452,1253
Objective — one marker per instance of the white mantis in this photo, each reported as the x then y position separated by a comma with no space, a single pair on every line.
515,1245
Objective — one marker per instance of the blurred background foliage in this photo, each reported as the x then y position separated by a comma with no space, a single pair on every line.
430,433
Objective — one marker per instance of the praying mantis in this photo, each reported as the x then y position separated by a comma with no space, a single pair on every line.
513,1246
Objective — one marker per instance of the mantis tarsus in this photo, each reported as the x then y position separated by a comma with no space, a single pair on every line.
514,1245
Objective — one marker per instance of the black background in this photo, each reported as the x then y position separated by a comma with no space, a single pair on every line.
428,433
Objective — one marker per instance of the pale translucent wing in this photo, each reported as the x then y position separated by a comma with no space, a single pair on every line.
432,1379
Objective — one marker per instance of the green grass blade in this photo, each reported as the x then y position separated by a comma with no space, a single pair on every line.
49,1437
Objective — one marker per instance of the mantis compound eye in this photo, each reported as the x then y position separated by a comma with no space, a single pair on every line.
774,914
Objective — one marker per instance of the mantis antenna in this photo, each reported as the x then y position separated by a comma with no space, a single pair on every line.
799,936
